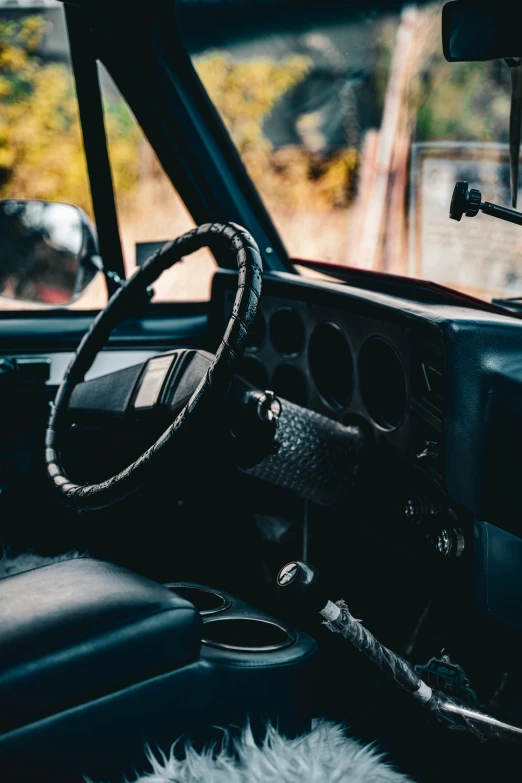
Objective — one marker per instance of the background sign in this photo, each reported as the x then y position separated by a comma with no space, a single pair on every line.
480,254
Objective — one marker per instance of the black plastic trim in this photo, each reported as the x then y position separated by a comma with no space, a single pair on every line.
95,143
164,327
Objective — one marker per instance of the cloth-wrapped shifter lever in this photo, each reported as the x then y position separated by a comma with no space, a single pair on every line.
299,584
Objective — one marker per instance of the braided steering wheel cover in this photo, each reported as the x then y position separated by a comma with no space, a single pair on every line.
221,238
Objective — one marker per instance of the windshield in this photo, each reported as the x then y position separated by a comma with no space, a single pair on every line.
354,129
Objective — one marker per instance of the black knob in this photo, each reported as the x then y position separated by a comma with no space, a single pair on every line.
298,583
464,201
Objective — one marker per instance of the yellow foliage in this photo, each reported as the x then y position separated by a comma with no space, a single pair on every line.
41,149
41,146
292,177
40,142
245,92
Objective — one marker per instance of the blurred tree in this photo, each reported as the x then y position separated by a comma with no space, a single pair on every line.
292,177
448,101
41,148
462,101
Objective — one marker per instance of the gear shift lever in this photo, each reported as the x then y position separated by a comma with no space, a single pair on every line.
299,584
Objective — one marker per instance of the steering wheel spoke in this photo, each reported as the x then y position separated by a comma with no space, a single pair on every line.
162,386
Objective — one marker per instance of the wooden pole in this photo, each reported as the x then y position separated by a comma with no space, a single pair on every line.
389,182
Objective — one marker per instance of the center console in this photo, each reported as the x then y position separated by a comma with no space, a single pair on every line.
96,662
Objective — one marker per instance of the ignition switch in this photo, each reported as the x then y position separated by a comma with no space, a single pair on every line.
255,428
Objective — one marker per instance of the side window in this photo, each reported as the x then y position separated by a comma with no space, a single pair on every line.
150,211
41,148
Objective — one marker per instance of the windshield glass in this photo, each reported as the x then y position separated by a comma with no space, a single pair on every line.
355,129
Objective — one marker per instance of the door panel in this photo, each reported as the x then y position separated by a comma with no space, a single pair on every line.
30,514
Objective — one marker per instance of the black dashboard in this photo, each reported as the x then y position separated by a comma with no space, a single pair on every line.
435,380
438,384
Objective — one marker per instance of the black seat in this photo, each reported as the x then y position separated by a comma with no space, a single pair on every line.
96,662
80,629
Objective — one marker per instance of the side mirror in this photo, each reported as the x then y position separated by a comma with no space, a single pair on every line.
474,31
48,251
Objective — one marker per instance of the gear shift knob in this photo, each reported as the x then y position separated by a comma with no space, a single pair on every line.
298,583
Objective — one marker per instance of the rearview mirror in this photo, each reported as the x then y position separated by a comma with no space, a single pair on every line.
48,251
474,31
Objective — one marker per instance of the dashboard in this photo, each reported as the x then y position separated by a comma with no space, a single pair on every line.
435,380
438,384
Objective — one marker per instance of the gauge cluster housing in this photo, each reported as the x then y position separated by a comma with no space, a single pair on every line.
438,384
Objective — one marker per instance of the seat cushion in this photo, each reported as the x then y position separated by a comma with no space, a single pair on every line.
80,629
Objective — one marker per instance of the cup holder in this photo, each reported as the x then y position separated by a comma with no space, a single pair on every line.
206,600
250,634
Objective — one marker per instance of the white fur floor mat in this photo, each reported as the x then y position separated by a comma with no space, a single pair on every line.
324,755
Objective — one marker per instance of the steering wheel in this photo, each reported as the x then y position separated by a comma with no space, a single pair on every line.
228,239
